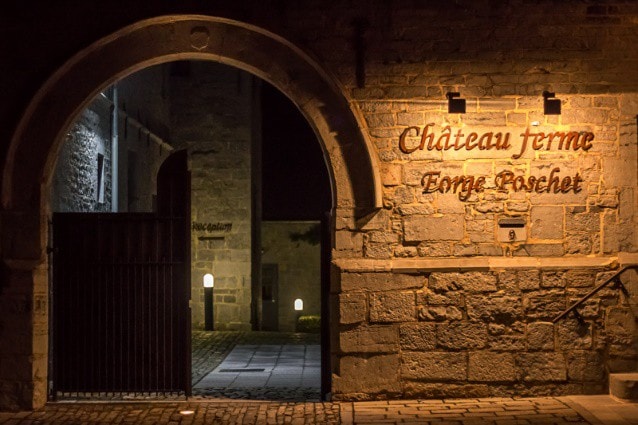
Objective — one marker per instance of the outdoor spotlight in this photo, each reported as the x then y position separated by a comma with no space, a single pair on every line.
454,105
551,105
298,304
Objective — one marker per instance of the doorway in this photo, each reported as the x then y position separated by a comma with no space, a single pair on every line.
40,131
224,216
269,297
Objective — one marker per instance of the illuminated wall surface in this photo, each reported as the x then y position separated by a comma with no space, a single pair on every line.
491,222
293,246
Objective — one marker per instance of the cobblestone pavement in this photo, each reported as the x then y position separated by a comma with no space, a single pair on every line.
499,411
503,411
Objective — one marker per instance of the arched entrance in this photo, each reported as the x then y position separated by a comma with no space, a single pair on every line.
33,149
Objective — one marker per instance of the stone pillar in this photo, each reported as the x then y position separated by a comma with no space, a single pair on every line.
24,318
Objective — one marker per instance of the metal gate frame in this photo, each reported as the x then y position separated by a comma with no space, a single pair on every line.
120,297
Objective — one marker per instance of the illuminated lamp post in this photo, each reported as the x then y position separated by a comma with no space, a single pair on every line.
209,282
298,309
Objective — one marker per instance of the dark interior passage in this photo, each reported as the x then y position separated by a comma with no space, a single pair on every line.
259,192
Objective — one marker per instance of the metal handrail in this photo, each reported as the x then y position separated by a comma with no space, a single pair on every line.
614,278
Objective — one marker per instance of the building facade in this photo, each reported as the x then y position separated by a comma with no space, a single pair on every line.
459,232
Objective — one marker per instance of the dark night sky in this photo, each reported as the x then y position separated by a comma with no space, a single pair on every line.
295,179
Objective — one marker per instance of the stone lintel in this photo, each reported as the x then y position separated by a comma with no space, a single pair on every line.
627,258
427,265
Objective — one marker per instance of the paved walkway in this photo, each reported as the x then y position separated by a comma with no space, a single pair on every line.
266,397
266,372
595,410
211,347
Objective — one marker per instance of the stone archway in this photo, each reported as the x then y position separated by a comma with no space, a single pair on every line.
34,145
38,137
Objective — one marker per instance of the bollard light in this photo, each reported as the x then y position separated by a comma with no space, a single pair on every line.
209,283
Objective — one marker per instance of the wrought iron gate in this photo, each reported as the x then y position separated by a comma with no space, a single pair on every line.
120,294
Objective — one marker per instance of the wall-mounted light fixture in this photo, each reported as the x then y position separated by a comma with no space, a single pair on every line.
551,105
209,283
298,304
454,105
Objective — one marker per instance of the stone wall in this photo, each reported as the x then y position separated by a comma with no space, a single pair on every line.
407,280
488,330
212,117
144,136
480,334
142,120
75,183
295,248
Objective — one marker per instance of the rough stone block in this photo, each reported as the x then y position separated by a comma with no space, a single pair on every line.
499,309
585,366
352,307
552,279
348,241
435,249
624,386
574,335
434,366
370,339
405,251
580,278
417,336
544,305
582,243
380,120
471,282
373,374
620,326
578,219
377,250
382,281
390,174
507,281
449,298
489,366
542,367
528,280
392,307
540,336
618,171
461,335
433,228
439,313
541,250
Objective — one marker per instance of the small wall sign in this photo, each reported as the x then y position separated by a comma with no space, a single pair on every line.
211,227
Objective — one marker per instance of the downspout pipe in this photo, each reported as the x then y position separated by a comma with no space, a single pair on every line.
115,153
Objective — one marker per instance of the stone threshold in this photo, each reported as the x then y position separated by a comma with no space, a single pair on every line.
427,265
